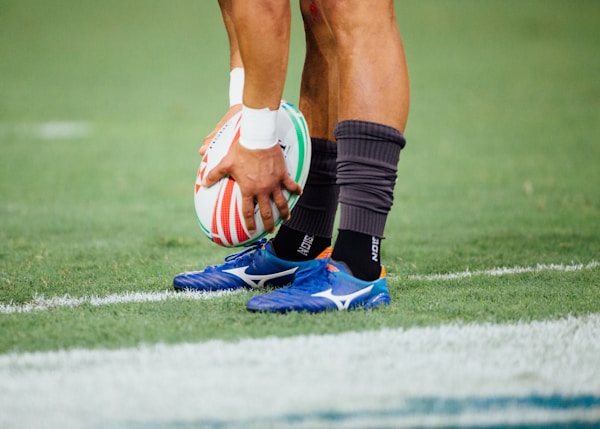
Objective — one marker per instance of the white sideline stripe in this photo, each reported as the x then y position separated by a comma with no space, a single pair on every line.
51,130
299,381
503,271
40,303
63,130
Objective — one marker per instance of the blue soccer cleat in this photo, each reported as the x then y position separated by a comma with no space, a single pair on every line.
255,267
326,285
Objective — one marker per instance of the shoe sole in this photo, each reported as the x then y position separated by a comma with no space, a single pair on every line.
377,300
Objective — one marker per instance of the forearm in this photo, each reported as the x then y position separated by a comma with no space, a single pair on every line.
235,59
263,35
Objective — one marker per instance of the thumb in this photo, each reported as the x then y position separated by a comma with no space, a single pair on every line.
204,146
216,174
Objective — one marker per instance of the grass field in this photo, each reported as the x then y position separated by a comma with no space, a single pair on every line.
103,106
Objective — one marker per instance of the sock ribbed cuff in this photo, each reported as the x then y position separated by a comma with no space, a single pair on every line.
368,154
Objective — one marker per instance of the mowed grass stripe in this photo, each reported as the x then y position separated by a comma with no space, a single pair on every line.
40,303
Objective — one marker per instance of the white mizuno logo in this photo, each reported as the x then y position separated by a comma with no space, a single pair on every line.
343,301
257,281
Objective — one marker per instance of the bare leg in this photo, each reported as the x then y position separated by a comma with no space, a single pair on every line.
371,60
319,86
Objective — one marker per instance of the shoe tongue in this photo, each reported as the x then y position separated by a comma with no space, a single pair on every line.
269,247
320,267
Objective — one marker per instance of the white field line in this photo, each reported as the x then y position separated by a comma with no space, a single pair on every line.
503,271
62,130
370,377
41,303
52,130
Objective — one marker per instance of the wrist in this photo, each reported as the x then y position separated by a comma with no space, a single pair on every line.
258,128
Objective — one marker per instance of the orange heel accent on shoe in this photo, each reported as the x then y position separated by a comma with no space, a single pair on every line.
325,253
383,273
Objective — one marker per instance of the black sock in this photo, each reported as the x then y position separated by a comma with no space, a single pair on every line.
308,232
314,213
360,252
293,245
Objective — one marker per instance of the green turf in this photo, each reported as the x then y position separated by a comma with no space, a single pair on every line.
523,297
501,167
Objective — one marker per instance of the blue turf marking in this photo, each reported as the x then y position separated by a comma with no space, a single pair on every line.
415,408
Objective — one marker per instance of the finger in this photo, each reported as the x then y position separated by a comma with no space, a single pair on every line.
290,185
217,173
248,213
281,204
266,213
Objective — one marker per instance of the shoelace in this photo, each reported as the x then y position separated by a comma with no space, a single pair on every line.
250,248
311,278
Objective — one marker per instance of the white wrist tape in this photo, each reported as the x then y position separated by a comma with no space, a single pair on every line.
258,128
236,86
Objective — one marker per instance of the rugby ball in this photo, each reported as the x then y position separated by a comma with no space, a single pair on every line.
219,207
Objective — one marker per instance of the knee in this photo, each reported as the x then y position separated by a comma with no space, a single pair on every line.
316,26
356,19
267,10
313,15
